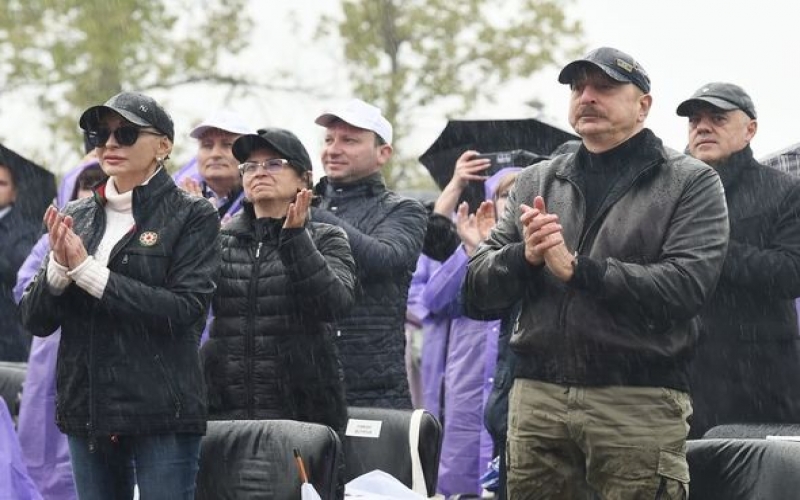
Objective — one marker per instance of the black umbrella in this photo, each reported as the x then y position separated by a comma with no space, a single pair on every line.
36,187
787,159
488,136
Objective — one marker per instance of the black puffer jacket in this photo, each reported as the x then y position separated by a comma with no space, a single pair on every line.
748,359
648,261
386,233
17,237
128,363
271,353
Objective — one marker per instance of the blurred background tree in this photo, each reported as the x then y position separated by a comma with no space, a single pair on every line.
406,55
80,52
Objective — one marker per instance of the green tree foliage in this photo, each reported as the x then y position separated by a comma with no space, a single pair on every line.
408,54
78,52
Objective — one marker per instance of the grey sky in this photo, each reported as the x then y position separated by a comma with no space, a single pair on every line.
682,44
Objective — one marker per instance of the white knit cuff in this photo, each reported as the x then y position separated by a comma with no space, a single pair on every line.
91,276
57,279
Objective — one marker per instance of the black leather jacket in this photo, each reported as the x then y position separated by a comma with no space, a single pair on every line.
648,262
128,363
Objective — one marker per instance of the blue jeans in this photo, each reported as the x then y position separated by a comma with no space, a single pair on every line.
163,465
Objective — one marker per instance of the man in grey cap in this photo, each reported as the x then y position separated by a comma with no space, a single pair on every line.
748,358
611,251
386,233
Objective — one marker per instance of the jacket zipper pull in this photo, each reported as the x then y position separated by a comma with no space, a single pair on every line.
258,249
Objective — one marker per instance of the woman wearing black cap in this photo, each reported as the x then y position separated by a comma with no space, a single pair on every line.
283,278
129,279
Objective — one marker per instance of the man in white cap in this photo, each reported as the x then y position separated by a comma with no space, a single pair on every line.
216,166
386,233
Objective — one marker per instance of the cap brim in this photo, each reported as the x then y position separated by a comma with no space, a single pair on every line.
567,74
686,107
91,117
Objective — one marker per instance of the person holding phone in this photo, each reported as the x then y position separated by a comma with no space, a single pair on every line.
129,279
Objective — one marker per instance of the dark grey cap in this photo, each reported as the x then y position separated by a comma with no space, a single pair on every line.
616,64
137,108
721,95
279,140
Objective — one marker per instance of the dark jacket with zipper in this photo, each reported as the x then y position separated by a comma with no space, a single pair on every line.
271,353
386,232
17,237
648,260
747,368
128,363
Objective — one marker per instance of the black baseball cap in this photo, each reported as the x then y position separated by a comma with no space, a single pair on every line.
137,108
721,95
279,140
616,64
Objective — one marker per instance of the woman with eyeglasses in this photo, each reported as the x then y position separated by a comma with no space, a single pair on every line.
283,279
129,279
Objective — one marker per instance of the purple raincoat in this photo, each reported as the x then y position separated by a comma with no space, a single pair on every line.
435,330
44,448
469,365
15,483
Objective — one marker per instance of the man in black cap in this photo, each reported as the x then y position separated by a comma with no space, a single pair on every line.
611,251
748,358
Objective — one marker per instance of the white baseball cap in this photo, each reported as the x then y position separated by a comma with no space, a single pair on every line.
359,114
222,120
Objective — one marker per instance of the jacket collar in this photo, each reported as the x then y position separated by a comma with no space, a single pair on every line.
730,171
143,195
371,185
650,154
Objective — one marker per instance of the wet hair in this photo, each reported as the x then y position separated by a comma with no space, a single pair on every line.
91,177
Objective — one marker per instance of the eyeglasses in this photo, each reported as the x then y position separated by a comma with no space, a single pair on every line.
272,166
126,135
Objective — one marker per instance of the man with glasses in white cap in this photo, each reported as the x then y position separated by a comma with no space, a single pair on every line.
611,251
215,164
748,359
385,231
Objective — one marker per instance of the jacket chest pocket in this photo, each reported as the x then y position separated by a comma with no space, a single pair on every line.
148,265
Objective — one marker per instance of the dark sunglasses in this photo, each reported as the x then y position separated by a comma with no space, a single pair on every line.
126,135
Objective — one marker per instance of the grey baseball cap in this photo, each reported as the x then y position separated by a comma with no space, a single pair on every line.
613,62
721,95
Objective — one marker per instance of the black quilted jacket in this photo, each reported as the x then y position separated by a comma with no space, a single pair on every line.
386,233
271,353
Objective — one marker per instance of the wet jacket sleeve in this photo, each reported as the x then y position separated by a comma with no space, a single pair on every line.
497,273
393,246
323,277
774,269
40,310
679,283
442,293
31,266
186,293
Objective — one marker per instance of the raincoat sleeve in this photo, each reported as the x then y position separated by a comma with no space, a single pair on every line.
416,311
497,273
395,244
772,270
442,293
323,276
31,265
190,283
